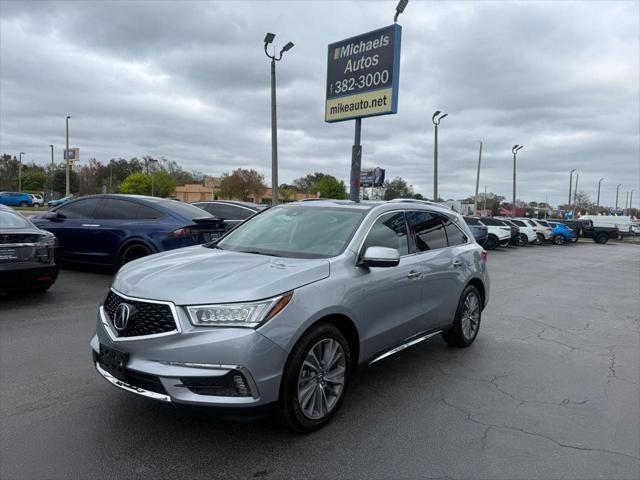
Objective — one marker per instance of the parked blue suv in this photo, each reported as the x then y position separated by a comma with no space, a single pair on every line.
115,229
562,234
15,199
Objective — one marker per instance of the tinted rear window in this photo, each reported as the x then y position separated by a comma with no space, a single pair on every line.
429,230
184,209
519,223
492,222
471,221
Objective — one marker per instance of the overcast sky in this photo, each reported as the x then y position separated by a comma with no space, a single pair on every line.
189,81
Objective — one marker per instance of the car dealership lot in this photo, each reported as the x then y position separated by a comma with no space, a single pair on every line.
549,390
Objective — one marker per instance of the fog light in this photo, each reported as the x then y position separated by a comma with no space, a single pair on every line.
232,384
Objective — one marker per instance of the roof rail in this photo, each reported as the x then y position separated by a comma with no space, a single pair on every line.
415,200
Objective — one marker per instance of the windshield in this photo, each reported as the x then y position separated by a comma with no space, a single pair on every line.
295,231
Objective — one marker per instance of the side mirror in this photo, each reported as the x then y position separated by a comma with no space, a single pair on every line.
54,216
380,257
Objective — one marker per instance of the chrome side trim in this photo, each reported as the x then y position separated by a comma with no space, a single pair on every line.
130,388
107,326
408,344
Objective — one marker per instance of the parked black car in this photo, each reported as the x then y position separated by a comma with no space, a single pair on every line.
233,213
479,231
27,254
516,236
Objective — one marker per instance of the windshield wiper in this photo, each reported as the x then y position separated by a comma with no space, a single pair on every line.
259,252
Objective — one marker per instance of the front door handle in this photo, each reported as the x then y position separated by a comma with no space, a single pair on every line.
413,274
457,263
90,225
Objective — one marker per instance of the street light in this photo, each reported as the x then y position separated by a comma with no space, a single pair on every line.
515,150
575,191
20,172
268,39
617,189
630,200
475,199
66,156
598,201
437,116
51,173
402,4
570,186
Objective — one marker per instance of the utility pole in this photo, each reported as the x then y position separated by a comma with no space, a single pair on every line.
66,157
20,172
514,150
570,187
575,192
274,125
617,189
626,202
475,199
51,173
598,201
436,122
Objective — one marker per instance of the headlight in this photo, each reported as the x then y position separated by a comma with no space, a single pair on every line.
250,314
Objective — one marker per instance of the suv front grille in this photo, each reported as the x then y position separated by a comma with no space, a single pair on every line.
145,318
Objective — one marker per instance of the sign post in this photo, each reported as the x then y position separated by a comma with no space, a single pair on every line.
362,81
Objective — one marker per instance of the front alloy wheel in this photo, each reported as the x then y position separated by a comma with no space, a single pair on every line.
321,379
315,378
559,240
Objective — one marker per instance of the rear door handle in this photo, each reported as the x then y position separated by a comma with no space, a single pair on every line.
457,263
413,274
90,225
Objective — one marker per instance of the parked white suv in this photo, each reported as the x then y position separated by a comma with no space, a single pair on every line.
498,233
37,200
528,233
542,231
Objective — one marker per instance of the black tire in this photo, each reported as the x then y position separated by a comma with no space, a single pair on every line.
24,204
601,238
523,240
35,204
491,243
540,239
559,240
456,336
133,251
575,239
290,412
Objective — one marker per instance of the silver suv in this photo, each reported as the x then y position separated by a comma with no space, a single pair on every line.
281,311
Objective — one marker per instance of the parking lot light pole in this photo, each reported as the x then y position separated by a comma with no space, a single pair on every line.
66,157
437,116
575,191
475,199
153,162
630,200
51,173
626,203
274,125
515,150
570,187
617,190
485,200
598,201
20,171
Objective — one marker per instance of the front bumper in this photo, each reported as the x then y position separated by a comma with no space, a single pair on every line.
166,367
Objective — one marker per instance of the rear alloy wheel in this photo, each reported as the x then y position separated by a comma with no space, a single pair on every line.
491,243
559,240
539,239
133,251
315,379
467,322
523,240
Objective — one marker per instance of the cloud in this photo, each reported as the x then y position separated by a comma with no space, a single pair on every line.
189,81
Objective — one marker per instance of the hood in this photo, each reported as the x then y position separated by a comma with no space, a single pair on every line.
198,275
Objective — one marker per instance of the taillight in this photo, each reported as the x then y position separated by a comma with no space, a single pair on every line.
485,255
181,233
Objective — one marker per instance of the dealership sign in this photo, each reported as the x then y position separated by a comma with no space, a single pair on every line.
363,74
372,178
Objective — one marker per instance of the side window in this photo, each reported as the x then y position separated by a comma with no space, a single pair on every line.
227,212
80,208
115,209
389,231
145,212
429,230
243,213
454,234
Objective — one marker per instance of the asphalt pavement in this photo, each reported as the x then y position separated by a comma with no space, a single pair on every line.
549,390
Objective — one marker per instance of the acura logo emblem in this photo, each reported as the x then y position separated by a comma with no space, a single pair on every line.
121,319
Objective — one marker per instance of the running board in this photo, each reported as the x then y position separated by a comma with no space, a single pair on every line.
408,344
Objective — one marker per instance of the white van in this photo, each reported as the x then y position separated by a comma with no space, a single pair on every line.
624,223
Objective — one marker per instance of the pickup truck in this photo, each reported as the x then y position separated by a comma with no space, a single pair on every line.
585,228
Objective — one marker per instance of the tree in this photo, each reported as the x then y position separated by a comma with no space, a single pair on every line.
397,188
241,183
164,184
329,187
136,183
583,201
34,181
303,184
286,192
59,181
418,196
